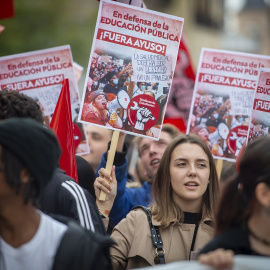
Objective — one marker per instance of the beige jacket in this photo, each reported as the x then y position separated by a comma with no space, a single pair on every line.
135,248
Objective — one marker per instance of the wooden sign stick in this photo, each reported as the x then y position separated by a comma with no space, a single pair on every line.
219,167
110,159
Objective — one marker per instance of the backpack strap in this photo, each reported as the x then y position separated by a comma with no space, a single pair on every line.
155,235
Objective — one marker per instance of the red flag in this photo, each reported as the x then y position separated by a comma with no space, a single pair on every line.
63,127
181,92
7,9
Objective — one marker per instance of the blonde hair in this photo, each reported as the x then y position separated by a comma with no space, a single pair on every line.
164,209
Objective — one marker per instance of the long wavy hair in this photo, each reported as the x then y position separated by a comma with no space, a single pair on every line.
164,209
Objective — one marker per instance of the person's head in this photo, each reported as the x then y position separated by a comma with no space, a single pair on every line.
151,151
123,77
239,118
98,139
142,85
114,80
248,194
214,115
186,180
202,131
29,154
99,99
86,175
95,80
16,104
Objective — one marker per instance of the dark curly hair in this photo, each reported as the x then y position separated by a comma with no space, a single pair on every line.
16,104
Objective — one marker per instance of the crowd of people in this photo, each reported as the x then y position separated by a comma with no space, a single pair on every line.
48,219
210,114
259,130
110,89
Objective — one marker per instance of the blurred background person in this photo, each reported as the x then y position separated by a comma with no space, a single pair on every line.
242,222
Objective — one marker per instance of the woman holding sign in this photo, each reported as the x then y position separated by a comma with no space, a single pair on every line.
180,222
244,212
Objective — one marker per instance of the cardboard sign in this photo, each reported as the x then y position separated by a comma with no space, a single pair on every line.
39,74
223,98
130,70
260,119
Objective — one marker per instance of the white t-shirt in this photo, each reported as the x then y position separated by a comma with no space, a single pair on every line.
39,252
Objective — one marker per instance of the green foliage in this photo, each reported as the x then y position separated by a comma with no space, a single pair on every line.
44,24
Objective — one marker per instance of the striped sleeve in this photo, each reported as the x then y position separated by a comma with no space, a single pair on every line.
82,206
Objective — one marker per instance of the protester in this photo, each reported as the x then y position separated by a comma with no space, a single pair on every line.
185,193
203,132
86,175
29,153
16,104
242,223
62,196
139,89
97,111
98,139
150,152
112,87
213,120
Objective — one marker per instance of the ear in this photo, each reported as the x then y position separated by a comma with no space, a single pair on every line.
25,175
262,193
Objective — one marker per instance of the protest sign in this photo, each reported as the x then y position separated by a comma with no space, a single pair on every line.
39,74
130,69
260,117
222,99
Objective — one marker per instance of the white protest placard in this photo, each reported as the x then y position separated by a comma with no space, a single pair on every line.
260,118
130,69
39,74
241,102
222,99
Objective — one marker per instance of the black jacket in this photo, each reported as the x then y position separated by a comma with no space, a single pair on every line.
82,249
63,196
235,239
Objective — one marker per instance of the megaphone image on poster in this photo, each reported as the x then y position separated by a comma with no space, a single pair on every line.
221,133
214,138
143,112
121,101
